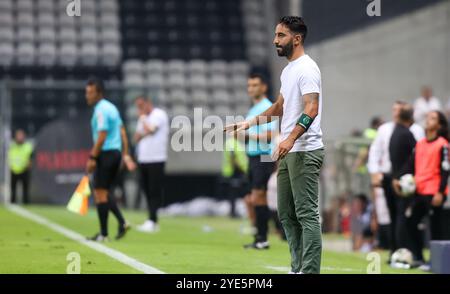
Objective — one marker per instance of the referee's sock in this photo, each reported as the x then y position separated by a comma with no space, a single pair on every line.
102,210
262,222
115,210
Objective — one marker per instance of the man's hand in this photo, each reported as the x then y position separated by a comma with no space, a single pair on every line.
129,163
396,186
237,127
376,179
283,148
91,165
437,200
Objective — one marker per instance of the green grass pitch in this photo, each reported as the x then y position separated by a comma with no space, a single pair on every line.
183,246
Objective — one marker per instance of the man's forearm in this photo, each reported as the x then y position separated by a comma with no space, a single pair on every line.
271,114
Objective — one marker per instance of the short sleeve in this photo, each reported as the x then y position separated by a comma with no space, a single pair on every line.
102,121
309,82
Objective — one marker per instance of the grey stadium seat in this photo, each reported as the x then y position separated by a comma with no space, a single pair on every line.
86,20
68,54
218,81
88,35
176,66
46,19
134,81
177,97
111,54
133,66
6,34
6,6
238,82
176,81
108,6
109,20
218,67
65,21
155,81
155,67
198,81
89,54
24,5
6,19
200,97
25,54
6,53
239,68
67,35
110,35
46,35
25,34
46,54
197,66
223,111
221,97
25,19
45,5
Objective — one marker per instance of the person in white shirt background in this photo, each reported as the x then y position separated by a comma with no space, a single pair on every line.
380,168
152,135
424,104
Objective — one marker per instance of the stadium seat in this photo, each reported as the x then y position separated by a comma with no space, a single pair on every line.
46,35
46,19
178,97
6,34
176,81
67,35
6,19
155,67
88,35
220,97
6,6
25,54
110,36
89,54
133,66
110,54
25,35
198,81
134,81
25,19
68,54
217,67
24,5
45,6
46,54
199,97
155,81
218,81
176,67
6,53
197,67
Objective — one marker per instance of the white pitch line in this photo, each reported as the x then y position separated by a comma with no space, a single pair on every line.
115,254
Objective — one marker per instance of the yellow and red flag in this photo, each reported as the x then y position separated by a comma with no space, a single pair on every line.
79,201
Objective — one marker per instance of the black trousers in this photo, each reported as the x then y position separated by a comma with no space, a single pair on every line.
420,207
152,183
24,179
391,203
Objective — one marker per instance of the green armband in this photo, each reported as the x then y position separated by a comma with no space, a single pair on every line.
305,121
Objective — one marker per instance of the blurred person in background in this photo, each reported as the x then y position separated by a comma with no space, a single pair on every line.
152,136
430,166
110,150
19,158
234,173
380,167
424,104
401,147
361,216
258,145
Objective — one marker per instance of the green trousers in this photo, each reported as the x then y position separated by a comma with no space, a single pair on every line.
298,208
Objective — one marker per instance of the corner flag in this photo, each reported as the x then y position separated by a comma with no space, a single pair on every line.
79,201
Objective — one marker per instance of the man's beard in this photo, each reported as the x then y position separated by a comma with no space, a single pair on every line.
286,50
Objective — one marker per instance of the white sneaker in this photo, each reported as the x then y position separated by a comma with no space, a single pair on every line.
148,226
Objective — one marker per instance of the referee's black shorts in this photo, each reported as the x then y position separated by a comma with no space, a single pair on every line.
108,165
259,172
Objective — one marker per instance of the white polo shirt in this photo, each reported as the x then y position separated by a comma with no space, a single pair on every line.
153,147
301,76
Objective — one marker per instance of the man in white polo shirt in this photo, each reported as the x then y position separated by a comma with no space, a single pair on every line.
152,133
301,150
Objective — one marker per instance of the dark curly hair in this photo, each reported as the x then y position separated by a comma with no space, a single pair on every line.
296,25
